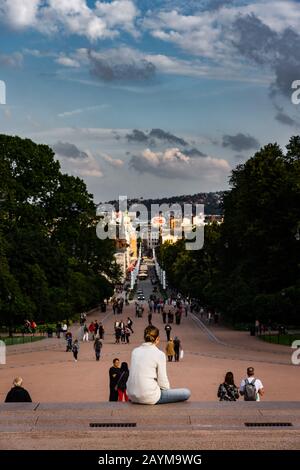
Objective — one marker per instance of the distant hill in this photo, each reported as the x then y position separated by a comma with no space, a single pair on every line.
212,201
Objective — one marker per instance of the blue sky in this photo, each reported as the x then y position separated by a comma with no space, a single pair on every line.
150,97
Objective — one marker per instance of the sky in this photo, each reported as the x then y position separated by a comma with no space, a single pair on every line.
150,98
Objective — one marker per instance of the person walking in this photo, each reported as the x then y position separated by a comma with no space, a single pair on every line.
168,329
170,350
64,329
85,333
97,348
127,334
122,382
251,388
114,374
17,393
101,331
227,390
75,349
69,341
129,324
177,347
148,382
58,329
170,317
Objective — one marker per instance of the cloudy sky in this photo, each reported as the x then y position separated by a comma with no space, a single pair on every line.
150,97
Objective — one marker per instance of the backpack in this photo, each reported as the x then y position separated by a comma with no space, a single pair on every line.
250,390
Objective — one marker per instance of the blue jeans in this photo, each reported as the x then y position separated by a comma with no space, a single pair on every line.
173,395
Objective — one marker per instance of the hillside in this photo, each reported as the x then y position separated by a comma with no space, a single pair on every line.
212,201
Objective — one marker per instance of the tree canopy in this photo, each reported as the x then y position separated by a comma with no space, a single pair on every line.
52,264
249,265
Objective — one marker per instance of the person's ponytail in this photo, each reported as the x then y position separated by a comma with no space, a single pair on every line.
151,333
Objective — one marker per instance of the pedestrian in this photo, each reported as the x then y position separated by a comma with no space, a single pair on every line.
129,324
148,382
186,307
227,390
122,382
64,329
97,348
178,316
164,315
75,349
96,326
177,347
150,318
168,329
170,350
101,331
69,341
92,330
114,374
127,334
118,332
17,393
251,388
170,317
85,333
58,329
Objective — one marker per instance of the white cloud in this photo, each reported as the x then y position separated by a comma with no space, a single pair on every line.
71,16
14,60
67,61
118,13
87,166
74,112
208,33
173,163
114,162
20,13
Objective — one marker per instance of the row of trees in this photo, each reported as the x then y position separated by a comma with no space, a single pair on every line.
52,265
249,266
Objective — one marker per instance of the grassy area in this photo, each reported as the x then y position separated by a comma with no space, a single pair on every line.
21,339
286,340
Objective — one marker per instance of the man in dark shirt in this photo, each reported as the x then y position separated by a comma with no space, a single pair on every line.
17,393
114,374
168,329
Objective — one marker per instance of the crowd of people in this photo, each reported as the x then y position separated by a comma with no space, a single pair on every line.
146,382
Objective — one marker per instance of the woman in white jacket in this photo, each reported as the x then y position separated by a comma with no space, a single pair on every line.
148,383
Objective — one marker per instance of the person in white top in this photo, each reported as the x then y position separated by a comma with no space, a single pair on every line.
257,383
148,383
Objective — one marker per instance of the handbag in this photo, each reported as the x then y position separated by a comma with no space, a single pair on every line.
181,354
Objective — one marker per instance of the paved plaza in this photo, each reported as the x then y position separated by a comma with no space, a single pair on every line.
68,396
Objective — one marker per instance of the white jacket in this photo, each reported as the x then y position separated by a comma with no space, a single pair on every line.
148,374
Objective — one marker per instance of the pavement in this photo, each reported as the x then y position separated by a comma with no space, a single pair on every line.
52,377
113,426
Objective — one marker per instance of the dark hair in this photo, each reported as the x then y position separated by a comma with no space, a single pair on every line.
116,359
229,378
250,371
124,367
150,334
